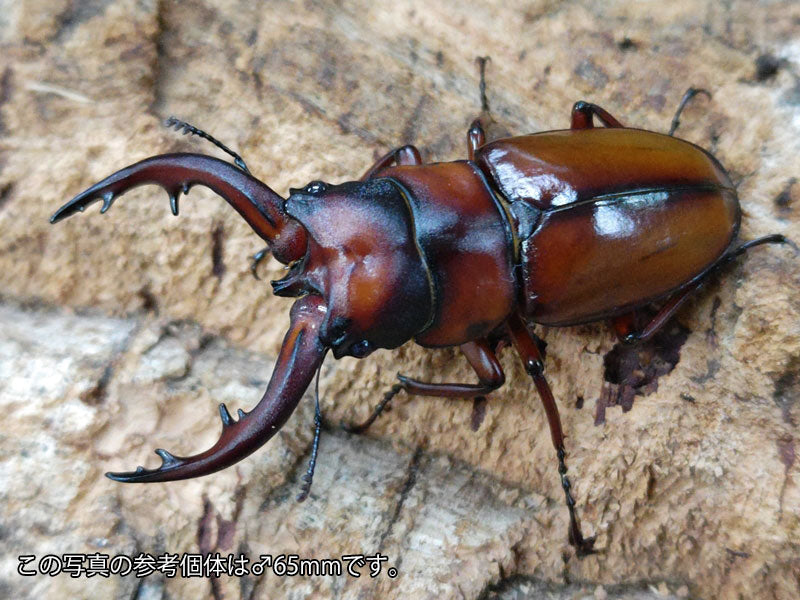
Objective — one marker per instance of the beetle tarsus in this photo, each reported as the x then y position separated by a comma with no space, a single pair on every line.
583,546
256,260
482,60
387,398
775,238
687,96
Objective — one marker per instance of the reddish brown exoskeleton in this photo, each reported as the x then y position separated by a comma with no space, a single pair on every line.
557,228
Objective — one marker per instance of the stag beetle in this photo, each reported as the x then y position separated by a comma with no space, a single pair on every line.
556,228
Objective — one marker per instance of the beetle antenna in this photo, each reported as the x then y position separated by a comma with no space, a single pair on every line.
179,125
687,96
308,478
482,60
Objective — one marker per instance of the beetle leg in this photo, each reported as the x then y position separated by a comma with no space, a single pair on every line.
483,360
624,325
481,62
257,259
528,350
404,155
476,137
582,113
687,96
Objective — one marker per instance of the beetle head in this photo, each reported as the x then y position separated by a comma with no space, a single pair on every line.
363,259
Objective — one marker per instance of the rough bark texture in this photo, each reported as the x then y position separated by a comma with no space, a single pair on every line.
683,456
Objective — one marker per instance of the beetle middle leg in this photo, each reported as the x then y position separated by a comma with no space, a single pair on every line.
404,155
528,350
483,360
624,325
687,96
476,135
583,113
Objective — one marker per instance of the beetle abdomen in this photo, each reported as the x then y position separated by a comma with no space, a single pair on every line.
623,217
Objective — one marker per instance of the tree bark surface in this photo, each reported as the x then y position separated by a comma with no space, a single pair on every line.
121,333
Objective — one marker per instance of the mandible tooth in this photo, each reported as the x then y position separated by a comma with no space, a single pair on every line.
225,415
167,458
173,202
108,200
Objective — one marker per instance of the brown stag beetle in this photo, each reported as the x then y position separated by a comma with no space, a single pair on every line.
555,228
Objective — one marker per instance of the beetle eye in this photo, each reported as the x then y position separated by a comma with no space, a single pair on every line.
315,187
361,349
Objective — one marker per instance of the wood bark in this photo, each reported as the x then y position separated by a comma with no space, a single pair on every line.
120,333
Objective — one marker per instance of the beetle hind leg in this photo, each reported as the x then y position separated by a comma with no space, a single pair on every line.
625,325
529,351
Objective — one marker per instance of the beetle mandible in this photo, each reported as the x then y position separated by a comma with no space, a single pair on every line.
555,228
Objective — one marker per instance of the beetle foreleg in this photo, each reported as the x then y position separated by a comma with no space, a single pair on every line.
528,350
582,113
404,155
256,260
482,359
